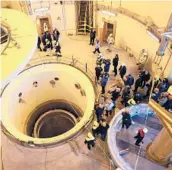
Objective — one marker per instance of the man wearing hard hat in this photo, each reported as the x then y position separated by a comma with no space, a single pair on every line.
140,135
90,140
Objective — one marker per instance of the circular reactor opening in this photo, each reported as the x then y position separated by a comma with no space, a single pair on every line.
48,114
54,123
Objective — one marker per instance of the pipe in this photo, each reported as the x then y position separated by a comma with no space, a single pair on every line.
167,63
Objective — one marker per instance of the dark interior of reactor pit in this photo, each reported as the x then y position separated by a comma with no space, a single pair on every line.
53,124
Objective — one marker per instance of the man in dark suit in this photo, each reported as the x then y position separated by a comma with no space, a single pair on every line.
92,36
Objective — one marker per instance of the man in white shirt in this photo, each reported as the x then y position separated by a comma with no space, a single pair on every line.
110,40
109,107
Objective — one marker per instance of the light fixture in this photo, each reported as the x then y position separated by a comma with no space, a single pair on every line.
152,35
41,9
108,13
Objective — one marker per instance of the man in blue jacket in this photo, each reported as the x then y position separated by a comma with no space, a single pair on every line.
104,82
107,66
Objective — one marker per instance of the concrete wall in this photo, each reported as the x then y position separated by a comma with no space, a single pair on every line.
15,114
133,34
159,11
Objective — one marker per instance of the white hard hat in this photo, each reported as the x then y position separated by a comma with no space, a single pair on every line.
145,130
95,123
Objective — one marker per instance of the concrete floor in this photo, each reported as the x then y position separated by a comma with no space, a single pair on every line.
16,157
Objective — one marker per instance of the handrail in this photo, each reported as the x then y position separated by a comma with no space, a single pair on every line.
163,115
54,60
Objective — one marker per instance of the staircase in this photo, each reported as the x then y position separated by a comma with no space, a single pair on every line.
85,16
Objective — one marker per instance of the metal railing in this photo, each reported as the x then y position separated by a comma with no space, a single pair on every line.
57,60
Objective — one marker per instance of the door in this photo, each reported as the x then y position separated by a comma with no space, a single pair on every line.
109,28
42,21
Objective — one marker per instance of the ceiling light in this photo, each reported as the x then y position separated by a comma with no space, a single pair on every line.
108,13
41,9
152,35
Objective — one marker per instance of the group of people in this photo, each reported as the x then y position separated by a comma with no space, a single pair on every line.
162,93
100,125
110,41
98,128
47,42
130,91
127,122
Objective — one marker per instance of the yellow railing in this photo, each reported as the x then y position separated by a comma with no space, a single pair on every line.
163,115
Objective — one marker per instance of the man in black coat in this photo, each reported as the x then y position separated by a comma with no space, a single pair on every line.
145,76
103,128
137,84
56,35
122,70
98,70
126,119
130,80
92,36
39,44
115,63
48,36
58,49
140,135
168,104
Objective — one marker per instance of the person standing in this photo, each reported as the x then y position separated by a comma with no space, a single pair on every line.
145,76
115,94
39,44
92,36
99,109
109,107
58,49
110,41
168,104
155,94
56,35
126,95
44,41
104,126
107,66
130,80
115,63
122,70
140,136
48,46
97,47
104,82
163,86
100,59
126,119
95,128
98,70
48,36
90,140
137,84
